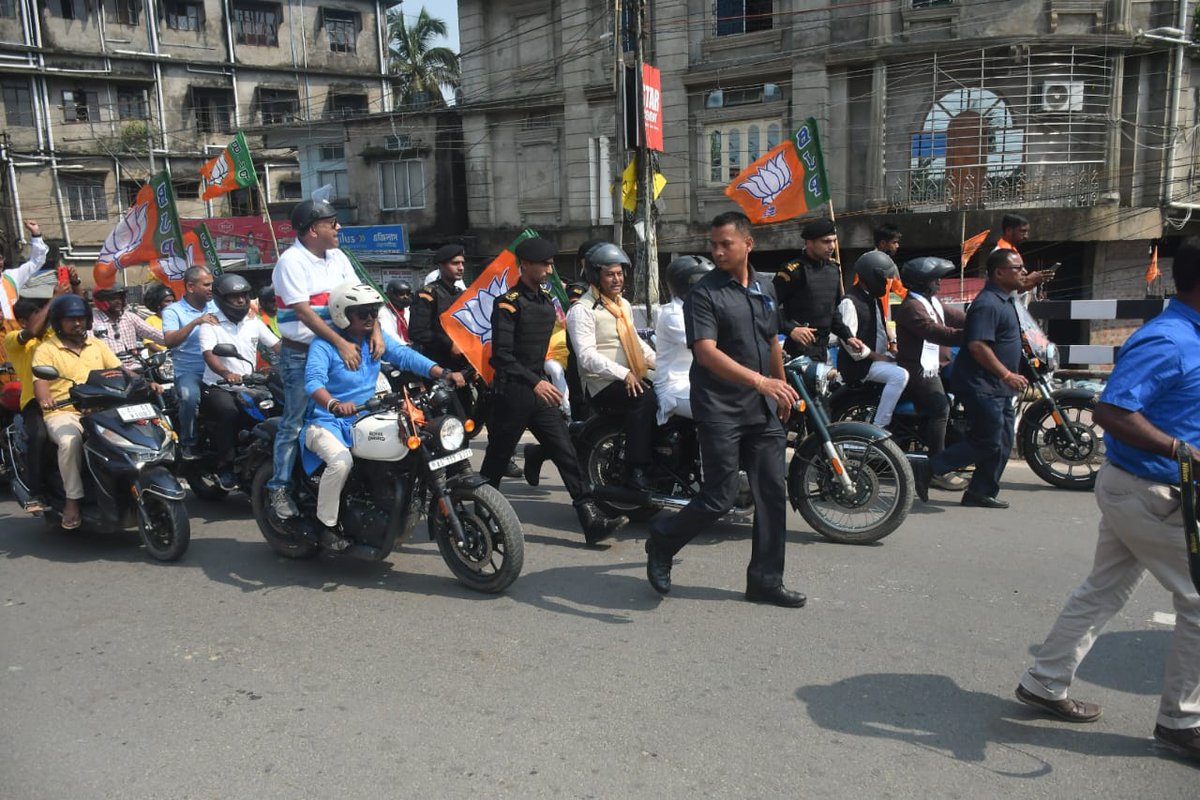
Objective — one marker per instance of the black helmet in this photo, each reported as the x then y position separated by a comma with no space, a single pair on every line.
684,271
68,305
266,294
308,212
577,290
398,286
919,274
604,254
873,269
108,293
226,287
154,296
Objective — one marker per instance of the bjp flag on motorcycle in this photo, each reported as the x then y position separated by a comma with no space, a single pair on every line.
468,321
148,233
786,182
232,169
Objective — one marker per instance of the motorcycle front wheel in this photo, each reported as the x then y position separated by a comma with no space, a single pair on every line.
879,502
1051,454
164,527
494,551
282,541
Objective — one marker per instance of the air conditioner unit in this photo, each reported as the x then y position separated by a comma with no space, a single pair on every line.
1062,96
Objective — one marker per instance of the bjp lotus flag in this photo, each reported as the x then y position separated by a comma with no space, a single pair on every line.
786,182
971,245
232,169
148,234
468,320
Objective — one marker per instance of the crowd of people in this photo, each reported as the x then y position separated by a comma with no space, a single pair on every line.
721,342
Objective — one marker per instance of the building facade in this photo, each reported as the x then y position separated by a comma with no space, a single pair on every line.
98,94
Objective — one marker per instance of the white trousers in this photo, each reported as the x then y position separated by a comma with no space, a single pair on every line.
66,431
337,458
1141,528
894,378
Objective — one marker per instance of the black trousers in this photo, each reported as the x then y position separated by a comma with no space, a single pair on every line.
35,443
929,396
221,418
517,409
758,447
640,415
990,420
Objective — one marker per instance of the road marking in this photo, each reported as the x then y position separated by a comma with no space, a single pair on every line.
1160,618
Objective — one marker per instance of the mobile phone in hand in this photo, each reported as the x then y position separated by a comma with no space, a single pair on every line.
64,275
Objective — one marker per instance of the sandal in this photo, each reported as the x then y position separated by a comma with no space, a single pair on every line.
35,507
71,524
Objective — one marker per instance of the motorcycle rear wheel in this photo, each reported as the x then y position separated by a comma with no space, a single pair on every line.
496,551
602,468
882,499
283,542
1051,455
164,527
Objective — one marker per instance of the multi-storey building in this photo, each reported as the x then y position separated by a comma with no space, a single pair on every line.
97,94
937,116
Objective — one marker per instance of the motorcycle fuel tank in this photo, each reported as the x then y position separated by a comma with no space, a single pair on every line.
378,438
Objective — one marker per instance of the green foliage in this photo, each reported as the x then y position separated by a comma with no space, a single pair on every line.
422,69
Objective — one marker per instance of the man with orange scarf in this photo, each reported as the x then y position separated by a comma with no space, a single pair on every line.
613,359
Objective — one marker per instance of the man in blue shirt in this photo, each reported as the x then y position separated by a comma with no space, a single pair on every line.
1148,411
987,376
180,321
337,391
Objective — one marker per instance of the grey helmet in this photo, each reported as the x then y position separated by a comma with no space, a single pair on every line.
919,274
310,211
873,269
685,271
604,254
225,287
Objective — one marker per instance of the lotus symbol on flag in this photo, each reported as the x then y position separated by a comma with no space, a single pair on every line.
219,171
127,236
769,180
476,315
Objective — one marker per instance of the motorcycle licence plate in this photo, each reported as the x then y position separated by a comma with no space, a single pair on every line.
453,458
137,412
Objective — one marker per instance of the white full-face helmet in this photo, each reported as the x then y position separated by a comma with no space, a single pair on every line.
347,296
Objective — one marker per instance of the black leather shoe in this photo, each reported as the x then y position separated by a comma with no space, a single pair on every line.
979,501
637,479
658,569
776,596
1068,709
332,539
511,470
922,476
534,456
596,526
1184,741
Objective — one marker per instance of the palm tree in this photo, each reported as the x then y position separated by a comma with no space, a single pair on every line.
422,70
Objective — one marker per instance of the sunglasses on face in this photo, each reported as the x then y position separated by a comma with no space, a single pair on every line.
363,313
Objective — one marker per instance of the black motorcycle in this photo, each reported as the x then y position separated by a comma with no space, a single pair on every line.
1056,434
128,451
848,480
410,459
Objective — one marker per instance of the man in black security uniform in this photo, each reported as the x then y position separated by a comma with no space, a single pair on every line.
740,397
425,320
987,376
522,321
809,289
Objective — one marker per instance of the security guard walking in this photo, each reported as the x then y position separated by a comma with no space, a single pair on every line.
739,397
522,321
808,290
425,318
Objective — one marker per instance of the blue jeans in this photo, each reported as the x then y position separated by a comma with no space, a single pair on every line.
187,389
295,403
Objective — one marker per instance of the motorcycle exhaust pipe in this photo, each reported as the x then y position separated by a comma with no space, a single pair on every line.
632,497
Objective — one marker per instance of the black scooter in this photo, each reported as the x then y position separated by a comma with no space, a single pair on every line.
128,450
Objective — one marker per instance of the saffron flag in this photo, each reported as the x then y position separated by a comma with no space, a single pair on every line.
468,320
1152,273
970,246
202,249
786,182
148,234
232,169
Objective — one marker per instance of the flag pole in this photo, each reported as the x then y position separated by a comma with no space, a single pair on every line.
267,215
962,262
837,247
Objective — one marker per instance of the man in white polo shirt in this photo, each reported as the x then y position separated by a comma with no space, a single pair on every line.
303,277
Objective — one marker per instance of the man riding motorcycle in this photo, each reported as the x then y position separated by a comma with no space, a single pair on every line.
613,360
672,384
864,355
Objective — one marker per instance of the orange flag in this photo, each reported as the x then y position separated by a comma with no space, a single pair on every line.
468,320
1152,273
971,245
786,182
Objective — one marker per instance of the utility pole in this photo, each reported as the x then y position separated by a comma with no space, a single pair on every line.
648,262
622,146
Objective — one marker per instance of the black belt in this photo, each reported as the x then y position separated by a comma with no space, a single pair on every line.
1187,497
293,344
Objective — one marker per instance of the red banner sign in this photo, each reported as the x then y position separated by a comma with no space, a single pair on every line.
241,237
652,107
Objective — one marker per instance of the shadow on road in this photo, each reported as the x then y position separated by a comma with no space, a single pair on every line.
933,713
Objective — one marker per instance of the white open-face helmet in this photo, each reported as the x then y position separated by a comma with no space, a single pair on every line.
347,296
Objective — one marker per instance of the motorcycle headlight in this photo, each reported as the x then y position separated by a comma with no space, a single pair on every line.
139,451
451,434
1052,356
266,405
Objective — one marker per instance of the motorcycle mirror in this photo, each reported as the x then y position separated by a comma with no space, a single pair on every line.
45,372
226,350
